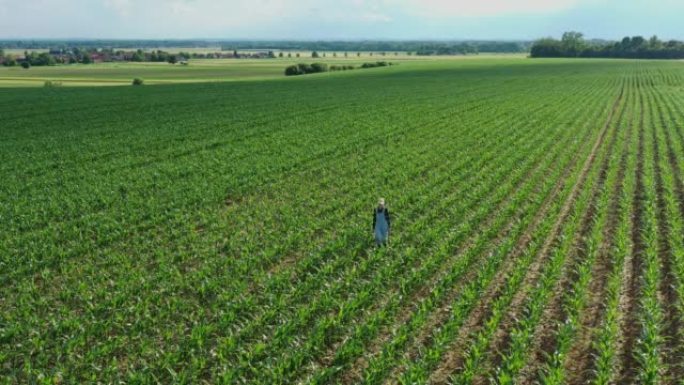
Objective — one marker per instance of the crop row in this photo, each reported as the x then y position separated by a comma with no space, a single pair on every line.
221,234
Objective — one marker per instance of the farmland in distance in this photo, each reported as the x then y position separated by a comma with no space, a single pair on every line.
221,232
204,70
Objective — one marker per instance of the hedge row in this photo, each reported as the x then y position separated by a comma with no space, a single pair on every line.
303,69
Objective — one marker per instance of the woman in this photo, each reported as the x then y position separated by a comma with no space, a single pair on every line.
381,223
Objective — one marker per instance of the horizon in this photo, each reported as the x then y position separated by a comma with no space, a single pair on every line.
310,40
347,20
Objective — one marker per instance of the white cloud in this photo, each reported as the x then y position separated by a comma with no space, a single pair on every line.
121,7
375,17
475,8
198,17
315,19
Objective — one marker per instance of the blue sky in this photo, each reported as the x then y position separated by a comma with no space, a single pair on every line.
339,19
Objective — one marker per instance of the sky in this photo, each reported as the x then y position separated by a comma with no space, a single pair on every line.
339,19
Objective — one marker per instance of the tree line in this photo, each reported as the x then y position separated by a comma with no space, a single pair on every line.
469,48
73,55
432,46
87,56
573,44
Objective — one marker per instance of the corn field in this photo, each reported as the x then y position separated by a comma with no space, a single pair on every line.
221,233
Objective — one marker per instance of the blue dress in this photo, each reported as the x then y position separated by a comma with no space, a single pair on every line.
381,227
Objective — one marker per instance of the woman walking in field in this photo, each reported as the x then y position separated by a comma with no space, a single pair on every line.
381,223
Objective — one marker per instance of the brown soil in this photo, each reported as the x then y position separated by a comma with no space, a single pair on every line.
676,170
628,366
678,370
668,279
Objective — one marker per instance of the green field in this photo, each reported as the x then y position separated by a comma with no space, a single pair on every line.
198,70
207,70
220,233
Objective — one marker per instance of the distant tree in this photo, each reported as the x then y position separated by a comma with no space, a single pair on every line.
9,62
319,67
172,59
573,43
289,54
162,56
280,54
235,54
314,54
672,44
334,54
271,55
42,59
346,54
138,82
376,64
52,84
358,54
638,42
655,43
138,56
297,54
304,68
47,59
547,48
25,65
86,59
292,70
626,42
